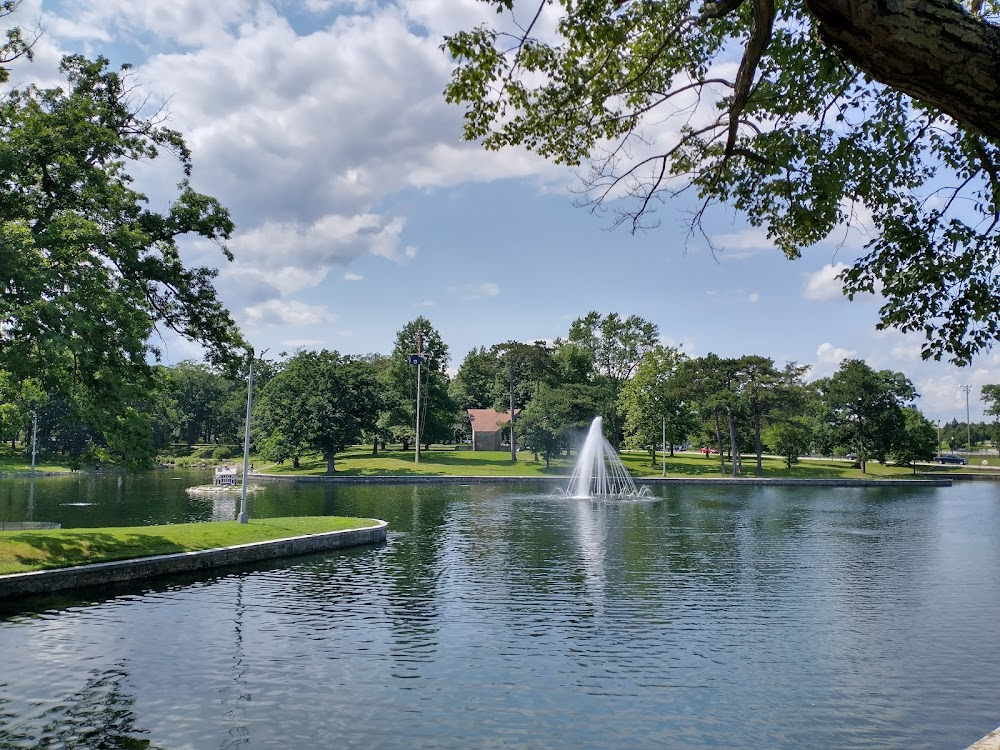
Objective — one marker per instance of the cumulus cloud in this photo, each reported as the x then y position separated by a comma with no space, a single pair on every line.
298,314
828,359
349,276
302,131
824,285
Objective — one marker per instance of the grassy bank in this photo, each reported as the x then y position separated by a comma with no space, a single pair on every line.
23,551
450,462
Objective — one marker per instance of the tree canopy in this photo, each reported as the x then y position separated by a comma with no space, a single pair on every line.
805,115
89,271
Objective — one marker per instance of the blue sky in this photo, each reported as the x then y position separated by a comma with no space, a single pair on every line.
320,124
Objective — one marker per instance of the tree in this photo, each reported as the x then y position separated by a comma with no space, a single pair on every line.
789,438
198,394
552,414
838,108
399,386
320,401
89,271
524,366
918,441
867,408
765,388
617,346
707,383
650,402
474,385
990,395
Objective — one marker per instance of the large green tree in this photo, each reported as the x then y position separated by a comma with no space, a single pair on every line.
654,411
918,441
320,401
866,407
804,115
89,270
617,346
552,417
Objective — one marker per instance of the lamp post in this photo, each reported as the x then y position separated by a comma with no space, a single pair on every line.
34,437
939,436
244,518
968,424
417,359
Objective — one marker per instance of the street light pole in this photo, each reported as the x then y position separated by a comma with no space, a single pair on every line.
416,432
244,518
968,424
34,437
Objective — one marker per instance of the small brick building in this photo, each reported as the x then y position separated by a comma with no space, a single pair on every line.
487,428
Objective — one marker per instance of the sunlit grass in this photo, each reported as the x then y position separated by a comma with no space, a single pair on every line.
22,551
445,461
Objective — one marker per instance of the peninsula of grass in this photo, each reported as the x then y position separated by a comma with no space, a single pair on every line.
24,551
446,461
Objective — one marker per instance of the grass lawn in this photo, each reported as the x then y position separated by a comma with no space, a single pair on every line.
23,551
445,460
19,460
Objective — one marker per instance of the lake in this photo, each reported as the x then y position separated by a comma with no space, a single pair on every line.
501,616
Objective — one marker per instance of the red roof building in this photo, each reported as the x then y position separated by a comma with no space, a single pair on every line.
487,428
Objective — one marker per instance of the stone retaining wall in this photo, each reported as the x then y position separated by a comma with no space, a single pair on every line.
43,581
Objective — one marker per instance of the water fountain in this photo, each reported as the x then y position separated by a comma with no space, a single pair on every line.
599,473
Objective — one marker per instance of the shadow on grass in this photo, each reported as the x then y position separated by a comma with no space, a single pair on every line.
81,548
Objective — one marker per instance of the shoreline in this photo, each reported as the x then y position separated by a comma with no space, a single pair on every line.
137,568
508,479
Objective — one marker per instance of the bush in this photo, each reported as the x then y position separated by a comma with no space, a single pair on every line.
222,453
203,453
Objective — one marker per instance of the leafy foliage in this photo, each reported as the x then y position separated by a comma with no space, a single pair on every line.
89,270
803,138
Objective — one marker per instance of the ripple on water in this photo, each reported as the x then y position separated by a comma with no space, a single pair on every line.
775,620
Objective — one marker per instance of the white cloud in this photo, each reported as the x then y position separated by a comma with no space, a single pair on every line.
753,297
349,276
823,285
277,312
828,359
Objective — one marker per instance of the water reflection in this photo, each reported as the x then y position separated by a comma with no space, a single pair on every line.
737,616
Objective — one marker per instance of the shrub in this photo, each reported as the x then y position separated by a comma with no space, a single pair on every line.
222,452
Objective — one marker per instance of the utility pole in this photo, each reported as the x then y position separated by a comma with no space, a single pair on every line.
417,359
244,518
968,424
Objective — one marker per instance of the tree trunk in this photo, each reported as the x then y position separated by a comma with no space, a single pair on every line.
760,449
652,455
330,468
406,446
932,50
734,450
295,462
718,437
375,447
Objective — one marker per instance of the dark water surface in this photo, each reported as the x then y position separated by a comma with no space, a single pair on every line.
744,617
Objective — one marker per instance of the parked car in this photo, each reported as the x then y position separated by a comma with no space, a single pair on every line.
709,451
949,459
851,456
